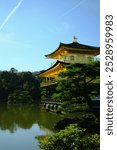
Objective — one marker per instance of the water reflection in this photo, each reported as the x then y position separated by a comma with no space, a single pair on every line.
24,116
13,117
24,121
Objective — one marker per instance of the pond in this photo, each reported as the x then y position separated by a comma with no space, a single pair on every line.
20,124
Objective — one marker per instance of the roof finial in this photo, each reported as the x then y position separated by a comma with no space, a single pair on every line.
74,39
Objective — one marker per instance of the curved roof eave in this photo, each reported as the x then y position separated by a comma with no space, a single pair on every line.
74,45
55,50
57,62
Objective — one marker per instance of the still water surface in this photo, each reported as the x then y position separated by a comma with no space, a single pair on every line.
19,125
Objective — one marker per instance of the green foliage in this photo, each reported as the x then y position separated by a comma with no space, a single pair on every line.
20,97
57,96
65,90
79,80
70,107
91,142
71,138
78,100
11,81
44,94
89,117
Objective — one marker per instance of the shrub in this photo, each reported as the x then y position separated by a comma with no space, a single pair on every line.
57,96
79,100
90,123
71,107
91,142
20,97
89,117
71,138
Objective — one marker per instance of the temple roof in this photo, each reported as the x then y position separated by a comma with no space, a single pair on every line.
56,65
75,46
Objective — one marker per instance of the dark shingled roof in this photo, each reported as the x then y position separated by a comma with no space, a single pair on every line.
78,45
75,45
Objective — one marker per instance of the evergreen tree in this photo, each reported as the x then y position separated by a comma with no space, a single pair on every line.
78,80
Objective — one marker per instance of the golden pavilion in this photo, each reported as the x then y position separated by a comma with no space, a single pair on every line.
65,54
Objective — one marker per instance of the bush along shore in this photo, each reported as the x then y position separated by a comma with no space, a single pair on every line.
72,137
77,131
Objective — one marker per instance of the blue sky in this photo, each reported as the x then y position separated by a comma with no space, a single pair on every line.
30,29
